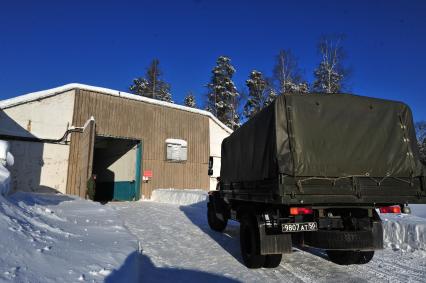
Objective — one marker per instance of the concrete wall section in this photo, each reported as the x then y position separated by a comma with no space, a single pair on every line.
217,134
39,167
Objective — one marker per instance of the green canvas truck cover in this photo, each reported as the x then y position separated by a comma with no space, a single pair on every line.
320,135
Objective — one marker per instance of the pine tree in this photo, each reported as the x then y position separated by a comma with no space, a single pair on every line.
190,100
151,85
260,94
330,73
222,96
287,75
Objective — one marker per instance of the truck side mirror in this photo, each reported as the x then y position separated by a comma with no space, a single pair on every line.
210,173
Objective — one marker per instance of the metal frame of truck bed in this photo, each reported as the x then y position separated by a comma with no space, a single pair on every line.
328,191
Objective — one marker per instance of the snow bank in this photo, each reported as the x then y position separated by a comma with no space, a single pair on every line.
6,159
4,181
58,238
404,232
180,197
418,210
4,148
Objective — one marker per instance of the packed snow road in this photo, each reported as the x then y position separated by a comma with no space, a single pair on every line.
178,246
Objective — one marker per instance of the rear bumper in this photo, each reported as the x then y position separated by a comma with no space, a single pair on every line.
346,240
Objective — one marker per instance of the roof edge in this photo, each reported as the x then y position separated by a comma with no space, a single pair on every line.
33,96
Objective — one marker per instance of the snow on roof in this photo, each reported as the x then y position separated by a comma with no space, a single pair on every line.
177,141
7,103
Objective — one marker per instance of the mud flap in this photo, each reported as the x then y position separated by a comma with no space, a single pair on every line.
273,244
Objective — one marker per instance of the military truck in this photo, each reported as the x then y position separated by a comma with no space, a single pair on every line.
312,170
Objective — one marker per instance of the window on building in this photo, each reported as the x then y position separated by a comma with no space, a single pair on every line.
176,150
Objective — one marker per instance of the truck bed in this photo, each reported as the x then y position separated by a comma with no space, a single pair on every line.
325,149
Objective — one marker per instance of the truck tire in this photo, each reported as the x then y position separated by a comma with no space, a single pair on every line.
365,257
344,257
272,261
250,243
215,223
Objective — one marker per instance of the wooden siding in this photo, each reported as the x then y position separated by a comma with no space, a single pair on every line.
81,161
153,124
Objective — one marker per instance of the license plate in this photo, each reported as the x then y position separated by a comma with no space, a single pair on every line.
299,227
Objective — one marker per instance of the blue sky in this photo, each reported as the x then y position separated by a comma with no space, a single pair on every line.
44,44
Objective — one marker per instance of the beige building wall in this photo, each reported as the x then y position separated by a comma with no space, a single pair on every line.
125,167
47,118
217,134
39,166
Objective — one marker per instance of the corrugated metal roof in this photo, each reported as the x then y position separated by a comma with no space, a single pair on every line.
22,99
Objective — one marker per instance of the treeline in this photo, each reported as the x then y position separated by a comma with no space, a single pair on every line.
421,139
231,106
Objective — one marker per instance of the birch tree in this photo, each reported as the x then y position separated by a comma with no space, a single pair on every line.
330,73
287,74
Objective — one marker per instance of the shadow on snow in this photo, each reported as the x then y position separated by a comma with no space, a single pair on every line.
32,199
139,268
229,239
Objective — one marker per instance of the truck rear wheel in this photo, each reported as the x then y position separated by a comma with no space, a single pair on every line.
215,223
250,243
350,257
272,261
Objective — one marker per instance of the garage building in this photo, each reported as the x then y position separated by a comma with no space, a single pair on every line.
134,144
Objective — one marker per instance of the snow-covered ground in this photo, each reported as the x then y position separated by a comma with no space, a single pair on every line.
177,245
58,238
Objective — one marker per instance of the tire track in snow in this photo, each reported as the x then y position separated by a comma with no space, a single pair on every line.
179,238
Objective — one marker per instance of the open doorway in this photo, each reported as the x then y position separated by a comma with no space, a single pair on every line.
117,166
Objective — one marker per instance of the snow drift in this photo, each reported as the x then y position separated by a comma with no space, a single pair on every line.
6,159
4,180
58,238
404,232
418,210
180,197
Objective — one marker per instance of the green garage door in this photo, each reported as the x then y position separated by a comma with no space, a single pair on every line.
129,190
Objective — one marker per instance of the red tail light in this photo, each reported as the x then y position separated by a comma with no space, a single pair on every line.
390,209
300,210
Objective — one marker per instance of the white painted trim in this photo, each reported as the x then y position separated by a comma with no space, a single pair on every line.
7,103
88,122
